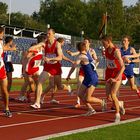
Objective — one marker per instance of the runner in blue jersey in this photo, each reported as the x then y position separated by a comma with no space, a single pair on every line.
92,53
90,79
9,46
127,50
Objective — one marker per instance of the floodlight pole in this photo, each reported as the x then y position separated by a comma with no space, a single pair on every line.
106,23
82,34
10,3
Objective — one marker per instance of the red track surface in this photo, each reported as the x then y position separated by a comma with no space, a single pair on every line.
51,119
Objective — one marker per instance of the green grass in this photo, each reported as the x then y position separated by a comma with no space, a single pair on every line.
17,83
129,131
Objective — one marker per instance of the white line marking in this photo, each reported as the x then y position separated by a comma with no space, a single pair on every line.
64,100
83,130
66,107
54,119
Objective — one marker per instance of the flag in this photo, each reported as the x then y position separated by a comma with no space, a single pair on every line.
104,23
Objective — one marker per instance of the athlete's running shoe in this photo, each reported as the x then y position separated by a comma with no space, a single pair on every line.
117,118
122,109
113,108
28,97
104,105
8,113
22,98
53,101
77,106
42,99
70,92
138,93
90,112
36,106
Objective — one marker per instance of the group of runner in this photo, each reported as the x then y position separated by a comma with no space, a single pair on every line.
119,66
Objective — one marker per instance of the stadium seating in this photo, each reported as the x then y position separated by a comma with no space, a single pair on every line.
24,43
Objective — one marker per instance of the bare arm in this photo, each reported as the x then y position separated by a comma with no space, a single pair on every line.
93,53
134,53
7,48
77,62
133,56
73,53
36,47
67,59
118,56
94,56
59,52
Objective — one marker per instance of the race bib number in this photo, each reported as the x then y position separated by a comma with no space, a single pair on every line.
37,63
9,58
93,66
111,64
51,55
1,62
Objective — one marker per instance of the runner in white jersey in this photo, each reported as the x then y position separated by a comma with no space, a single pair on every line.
31,63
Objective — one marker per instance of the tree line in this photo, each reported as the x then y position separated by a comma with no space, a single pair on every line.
73,16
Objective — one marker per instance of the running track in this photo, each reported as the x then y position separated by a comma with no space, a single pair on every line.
50,120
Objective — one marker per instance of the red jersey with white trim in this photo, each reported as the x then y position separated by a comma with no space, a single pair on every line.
112,63
2,67
34,62
52,67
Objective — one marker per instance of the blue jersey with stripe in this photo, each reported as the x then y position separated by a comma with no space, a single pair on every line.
129,67
91,77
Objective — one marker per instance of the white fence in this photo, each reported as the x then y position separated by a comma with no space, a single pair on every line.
18,71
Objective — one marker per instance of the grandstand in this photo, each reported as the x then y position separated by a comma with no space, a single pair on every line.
24,43
25,38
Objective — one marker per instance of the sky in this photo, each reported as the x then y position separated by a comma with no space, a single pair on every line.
29,6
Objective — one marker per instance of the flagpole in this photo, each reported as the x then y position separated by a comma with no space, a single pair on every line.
106,23
9,12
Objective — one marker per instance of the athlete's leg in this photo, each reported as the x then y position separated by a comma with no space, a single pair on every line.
108,88
35,78
79,83
114,89
31,84
24,86
9,78
4,92
90,98
132,84
42,78
32,87
81,93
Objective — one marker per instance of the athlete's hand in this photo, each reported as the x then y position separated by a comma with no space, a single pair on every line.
69,52
73,62
68,78
111,80
126,60
14,47
46,59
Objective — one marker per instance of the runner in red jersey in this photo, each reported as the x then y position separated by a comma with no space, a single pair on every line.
113,76
30,69
57,79
52,66
3,77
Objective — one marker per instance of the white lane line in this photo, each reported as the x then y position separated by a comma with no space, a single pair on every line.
69,100
66,94
54,119
83,130
66,107
41,115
